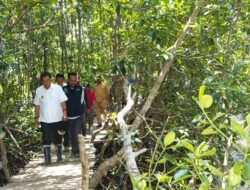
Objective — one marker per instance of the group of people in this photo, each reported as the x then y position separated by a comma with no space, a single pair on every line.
65,109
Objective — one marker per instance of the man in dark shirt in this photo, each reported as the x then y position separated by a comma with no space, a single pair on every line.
75,108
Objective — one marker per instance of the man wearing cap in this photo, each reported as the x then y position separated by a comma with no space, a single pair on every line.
89,115
50,110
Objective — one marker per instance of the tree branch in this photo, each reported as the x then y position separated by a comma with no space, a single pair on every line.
45,25
105,167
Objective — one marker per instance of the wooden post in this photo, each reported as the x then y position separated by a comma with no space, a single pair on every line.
4,159
84,162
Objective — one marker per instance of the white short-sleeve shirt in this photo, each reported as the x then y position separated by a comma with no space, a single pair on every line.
50,101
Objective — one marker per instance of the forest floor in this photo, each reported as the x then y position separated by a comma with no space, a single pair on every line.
60,175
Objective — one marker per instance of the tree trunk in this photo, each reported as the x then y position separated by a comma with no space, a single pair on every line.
4,159
45,55
79,41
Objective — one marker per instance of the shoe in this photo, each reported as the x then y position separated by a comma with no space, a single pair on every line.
99,125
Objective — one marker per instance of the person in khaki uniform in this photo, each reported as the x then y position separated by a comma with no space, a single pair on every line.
102,95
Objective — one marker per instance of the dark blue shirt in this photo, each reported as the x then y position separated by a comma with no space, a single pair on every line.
74,105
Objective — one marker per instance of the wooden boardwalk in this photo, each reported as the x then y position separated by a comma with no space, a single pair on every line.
61,175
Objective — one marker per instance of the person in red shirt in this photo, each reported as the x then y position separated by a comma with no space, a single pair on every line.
89,114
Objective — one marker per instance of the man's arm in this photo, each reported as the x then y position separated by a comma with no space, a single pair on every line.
64,108
37,111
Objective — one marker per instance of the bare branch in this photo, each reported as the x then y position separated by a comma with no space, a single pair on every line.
140,152
45,25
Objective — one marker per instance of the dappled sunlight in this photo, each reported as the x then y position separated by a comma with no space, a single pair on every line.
58,175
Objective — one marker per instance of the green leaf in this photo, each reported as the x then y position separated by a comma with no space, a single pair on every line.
186,144
215,171
206,101
202,147
248,119
222,126
161,161
180,173
209,152
201,91
169,138
234,179
162,177
218,115
208,131
165,158
246,171
142,184
196,118
170,158
238,128
238,167
204,186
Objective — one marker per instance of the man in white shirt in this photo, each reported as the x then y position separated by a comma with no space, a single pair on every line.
50,110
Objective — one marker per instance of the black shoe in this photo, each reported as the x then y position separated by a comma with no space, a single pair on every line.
99,125
47,156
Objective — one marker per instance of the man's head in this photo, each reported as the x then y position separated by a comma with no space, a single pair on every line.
72,79
60,79
98,80
87,85
46,79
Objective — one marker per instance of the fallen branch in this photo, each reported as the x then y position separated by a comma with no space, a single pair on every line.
129,154
105,167
104,147
154,91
